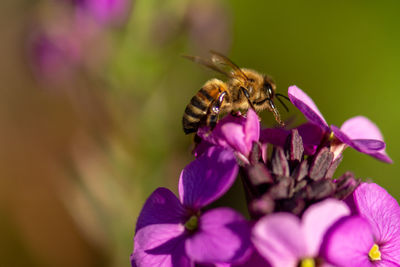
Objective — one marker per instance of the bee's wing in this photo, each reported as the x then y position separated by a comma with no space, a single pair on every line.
219,63
208,63
230,67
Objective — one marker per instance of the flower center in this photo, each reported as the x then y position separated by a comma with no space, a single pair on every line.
192,223
331,136
374,254
307,262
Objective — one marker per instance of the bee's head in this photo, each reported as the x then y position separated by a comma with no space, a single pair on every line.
269,87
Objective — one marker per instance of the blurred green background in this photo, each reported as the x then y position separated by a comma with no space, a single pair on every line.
87,137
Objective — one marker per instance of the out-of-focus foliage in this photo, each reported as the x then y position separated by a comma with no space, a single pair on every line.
92,99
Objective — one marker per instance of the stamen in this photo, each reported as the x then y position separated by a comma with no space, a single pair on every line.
331,136
307,262
192,223
374,254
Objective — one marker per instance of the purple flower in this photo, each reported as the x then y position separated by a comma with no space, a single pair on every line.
236,133
104,11
175,232
285,240
371,238
310,133
54,55
358,132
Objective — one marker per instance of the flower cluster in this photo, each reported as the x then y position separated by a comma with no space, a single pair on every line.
60,45
300,213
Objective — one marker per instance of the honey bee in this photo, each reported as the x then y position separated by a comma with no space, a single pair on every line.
244,89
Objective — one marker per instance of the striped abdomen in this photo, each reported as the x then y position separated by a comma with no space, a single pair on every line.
197,110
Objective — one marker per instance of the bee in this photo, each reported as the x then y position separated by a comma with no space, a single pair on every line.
244,89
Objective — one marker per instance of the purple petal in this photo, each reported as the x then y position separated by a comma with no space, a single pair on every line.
160,245
382,156
234,132
370,144
162,207
361,128
234,136
311,135
223,236
348,243
107,11
255,260
207,178
307,106
367,146
274,136
252,128
279,239
383,213
318,218
363,145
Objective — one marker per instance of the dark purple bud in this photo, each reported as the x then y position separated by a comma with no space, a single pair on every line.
255,153
346,184
262,206
280,166
320,189
295,205
259,174
333,167
295,146
301,171
320,164
282,188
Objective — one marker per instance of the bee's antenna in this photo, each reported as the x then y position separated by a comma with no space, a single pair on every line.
287,98
283,104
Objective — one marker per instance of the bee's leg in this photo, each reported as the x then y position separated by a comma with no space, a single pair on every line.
246,94
214,110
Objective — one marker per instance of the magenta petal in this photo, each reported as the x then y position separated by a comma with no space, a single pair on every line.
255,260
274,136
162,207
279,239
223,236
367,146
318,218
363,145
307,106
312,136
349,243
207,178
160,245
252,128
361,128
383,213
235,137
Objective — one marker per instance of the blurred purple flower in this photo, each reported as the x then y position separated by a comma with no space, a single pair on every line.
372,238
54,56
174,232
358,132
104,11
285,240
236,133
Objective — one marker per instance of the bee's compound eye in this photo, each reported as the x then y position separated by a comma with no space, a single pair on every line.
268,89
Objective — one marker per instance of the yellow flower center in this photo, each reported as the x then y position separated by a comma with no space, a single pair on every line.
307,262
374,254
192,223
